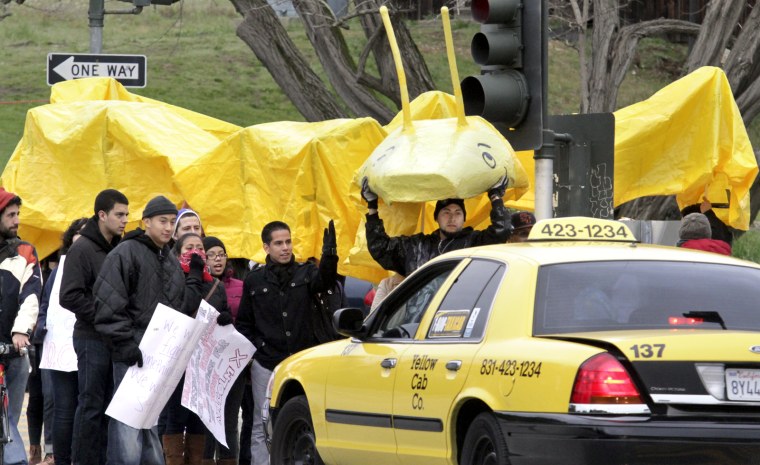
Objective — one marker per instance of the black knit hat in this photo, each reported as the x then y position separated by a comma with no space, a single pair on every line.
441,204
159,205
211,241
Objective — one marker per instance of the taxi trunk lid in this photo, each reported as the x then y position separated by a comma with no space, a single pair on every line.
712,369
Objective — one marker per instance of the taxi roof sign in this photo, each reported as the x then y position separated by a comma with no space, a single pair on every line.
581,228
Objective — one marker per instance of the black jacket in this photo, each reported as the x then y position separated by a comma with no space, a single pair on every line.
135,277
83,262
404,254
277,317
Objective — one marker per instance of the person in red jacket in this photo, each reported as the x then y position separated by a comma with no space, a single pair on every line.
695,233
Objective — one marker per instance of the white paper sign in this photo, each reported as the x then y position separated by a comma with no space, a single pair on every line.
221,355
58,346
166,346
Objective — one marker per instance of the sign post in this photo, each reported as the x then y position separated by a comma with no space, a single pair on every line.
129,70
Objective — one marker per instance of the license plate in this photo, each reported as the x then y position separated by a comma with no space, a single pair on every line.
742,384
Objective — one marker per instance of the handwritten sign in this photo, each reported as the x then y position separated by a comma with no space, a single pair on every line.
167,345
58,346
222,354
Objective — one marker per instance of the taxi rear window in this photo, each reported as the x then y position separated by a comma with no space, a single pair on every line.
622,295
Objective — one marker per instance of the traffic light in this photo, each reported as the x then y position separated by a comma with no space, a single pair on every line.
510,49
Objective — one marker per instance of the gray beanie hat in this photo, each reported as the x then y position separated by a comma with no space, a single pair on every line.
159,205
695,226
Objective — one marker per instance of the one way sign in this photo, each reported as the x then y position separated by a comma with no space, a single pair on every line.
129,70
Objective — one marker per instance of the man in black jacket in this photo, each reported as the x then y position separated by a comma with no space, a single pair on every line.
135,277
404,254
276,312
100,235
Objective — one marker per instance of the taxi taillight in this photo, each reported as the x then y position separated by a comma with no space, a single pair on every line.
602,379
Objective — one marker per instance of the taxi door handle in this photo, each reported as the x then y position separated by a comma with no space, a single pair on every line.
454,365
388,363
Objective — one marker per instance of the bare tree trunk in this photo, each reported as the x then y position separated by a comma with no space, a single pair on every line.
625,50
606,24
743,67
262,31
331,48
581,18
418,78
717,28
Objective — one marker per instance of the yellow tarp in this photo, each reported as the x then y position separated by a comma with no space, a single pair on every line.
71,151
299,173
688,139
109,89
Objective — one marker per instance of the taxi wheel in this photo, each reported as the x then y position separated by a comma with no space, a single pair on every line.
484,443
293,441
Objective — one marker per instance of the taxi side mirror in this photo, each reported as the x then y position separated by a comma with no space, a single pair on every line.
349,322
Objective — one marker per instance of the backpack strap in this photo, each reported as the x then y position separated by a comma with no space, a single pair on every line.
213,288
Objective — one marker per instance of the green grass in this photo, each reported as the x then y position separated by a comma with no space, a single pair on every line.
747,246
196,61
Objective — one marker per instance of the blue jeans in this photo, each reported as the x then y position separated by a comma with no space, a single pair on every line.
95,392
16,376
127,445
65,405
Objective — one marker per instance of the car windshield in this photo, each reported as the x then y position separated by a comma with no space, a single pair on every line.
621,295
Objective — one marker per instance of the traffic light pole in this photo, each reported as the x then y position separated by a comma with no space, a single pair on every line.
544,155
96,15
544,173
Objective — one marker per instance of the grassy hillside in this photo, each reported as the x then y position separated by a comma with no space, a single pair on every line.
196,61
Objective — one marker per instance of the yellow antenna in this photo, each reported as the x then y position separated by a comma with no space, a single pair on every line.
399,69
461,120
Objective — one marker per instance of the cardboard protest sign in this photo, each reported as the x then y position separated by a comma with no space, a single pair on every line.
219,358
58,346
167,345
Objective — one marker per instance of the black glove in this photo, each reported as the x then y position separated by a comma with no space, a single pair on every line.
500,188
197,265
329,242
367,194
224,319
130,356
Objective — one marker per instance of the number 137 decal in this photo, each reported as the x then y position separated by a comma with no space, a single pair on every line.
648,350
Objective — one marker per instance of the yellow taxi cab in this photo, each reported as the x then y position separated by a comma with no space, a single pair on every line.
580,346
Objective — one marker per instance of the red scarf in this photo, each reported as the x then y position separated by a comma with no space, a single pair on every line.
184,262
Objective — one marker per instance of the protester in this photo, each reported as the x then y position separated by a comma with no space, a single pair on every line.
81,435
188,221
39,406
275,311
51,416
404,254
719,229
216,259
20,288
695,233
136,276
522,224
184,435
